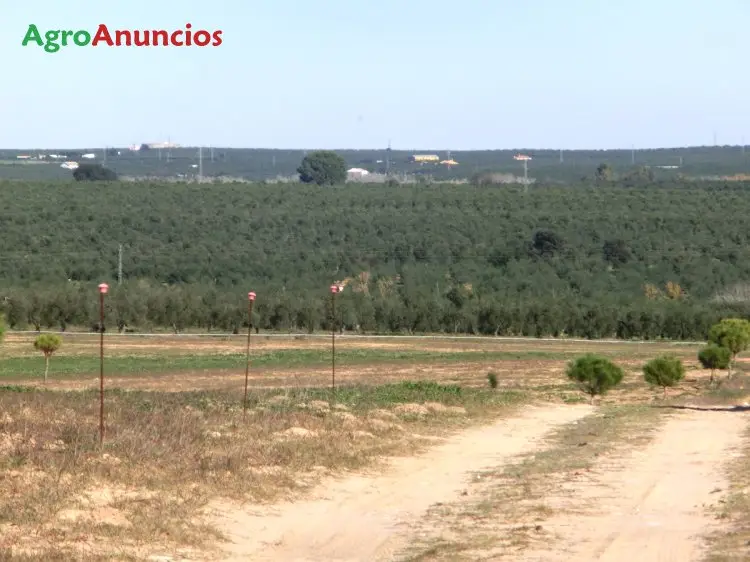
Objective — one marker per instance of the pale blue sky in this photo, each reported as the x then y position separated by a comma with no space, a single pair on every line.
353,73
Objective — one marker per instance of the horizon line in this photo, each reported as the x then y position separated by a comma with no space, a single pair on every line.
375,149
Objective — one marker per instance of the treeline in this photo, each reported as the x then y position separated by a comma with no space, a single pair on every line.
142,308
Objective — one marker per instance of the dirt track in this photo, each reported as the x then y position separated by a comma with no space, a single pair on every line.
367,518
652,507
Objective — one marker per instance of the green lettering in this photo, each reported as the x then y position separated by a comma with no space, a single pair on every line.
32,34
51,36
65,35
82,38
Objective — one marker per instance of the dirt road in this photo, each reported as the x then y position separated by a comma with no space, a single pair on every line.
368,518
652,506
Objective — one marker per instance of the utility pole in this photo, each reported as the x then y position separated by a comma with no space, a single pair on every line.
200,163
105,156
561,156
212,154
632,154
119,265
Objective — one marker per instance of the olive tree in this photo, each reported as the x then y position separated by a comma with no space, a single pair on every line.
664,371
594,375
47,344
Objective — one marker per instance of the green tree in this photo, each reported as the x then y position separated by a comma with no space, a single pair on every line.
594,375
47,344
714,357
93,172
616,252
604,173
322,167
547,243
664,371
732,333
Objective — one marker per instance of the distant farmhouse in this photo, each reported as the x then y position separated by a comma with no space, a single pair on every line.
425,158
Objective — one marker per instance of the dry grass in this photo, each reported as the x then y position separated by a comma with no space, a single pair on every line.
166,455
505,508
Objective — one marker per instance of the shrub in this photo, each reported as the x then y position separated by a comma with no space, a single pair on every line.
714,357
492,379
664,371
594,375
732,333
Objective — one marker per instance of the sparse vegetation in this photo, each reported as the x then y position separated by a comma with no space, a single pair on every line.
167,454
665,371
594,375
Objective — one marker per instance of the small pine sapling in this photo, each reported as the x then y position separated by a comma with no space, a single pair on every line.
664,371
492,379
47,344
594,375
732,333
714,357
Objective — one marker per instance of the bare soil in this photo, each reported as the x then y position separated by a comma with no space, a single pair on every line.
653,506
368,518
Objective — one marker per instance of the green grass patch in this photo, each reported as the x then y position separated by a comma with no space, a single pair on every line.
70,365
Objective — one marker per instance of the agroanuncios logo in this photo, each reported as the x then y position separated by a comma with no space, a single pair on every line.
53,40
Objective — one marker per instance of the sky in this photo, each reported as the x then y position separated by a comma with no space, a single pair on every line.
475,74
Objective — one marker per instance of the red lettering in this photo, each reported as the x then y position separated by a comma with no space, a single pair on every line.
102,34
145,42
119,35
174,40
188,35
217,38
202,38
164,37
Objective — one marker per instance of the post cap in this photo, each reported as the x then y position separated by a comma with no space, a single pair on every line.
334,289
103,288
251,296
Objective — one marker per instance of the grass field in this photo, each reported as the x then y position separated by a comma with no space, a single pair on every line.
177,441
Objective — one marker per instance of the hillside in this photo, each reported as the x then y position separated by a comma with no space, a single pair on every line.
440,257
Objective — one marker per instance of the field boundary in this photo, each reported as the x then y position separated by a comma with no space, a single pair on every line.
354,337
